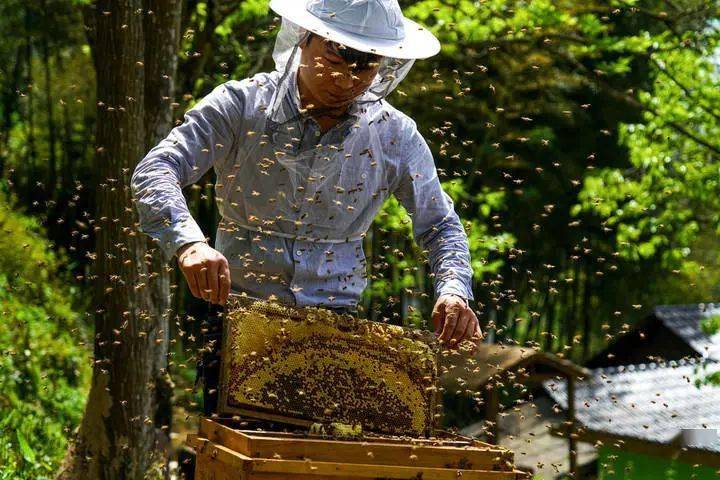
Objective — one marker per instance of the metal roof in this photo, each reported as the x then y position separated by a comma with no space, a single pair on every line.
652,402
685,321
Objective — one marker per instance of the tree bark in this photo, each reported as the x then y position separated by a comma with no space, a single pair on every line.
118,437
162,40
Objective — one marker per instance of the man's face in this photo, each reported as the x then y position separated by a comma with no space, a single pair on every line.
332,80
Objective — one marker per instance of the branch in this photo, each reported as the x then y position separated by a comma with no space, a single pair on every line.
679,128
686,90
613,93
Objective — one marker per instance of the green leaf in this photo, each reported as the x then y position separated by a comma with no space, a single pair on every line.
711,325
27,452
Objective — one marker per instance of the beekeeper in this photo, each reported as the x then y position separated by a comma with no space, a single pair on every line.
305,156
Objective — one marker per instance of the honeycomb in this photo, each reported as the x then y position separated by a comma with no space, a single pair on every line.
315,364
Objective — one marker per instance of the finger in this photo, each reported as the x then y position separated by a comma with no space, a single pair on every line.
460,327
477,334
437,316
191,281
477,339
213,275
470,327
201,275
199,282
452,312
225,283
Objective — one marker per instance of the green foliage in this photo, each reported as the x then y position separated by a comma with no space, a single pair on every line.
239,36
597,121
660,204
45,371
401,272
711,325
627,464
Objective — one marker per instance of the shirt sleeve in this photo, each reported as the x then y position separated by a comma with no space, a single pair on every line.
436,226
205,137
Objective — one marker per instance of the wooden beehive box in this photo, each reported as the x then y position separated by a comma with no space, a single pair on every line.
225,453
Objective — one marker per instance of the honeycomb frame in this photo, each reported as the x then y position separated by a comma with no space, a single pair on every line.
302,365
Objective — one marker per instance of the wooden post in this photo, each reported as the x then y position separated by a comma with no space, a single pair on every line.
572,444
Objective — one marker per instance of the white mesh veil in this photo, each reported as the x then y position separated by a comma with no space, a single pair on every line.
286,55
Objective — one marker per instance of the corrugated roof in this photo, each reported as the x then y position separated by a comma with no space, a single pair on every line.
685,321
652,402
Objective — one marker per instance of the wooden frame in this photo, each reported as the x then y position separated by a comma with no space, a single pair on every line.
394,353
224,453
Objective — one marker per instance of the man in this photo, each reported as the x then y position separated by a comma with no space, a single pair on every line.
305,156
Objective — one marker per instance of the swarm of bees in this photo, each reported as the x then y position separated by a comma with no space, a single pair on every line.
348,374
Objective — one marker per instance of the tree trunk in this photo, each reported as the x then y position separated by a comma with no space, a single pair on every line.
118,437
195,67
546,306
162,40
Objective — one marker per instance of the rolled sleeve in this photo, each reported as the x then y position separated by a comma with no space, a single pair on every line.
436,225
205,138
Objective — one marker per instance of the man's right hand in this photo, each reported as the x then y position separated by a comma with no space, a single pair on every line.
206,271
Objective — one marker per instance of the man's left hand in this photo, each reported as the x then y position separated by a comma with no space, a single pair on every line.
455,321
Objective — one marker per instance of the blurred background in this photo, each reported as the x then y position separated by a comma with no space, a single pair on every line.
579,140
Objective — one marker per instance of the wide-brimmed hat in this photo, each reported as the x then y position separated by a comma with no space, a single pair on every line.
373,26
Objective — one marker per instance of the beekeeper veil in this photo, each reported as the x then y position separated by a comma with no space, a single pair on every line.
372,26
287,59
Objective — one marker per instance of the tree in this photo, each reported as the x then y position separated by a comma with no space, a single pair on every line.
126,421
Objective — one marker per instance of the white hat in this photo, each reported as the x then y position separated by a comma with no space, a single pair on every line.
373,26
